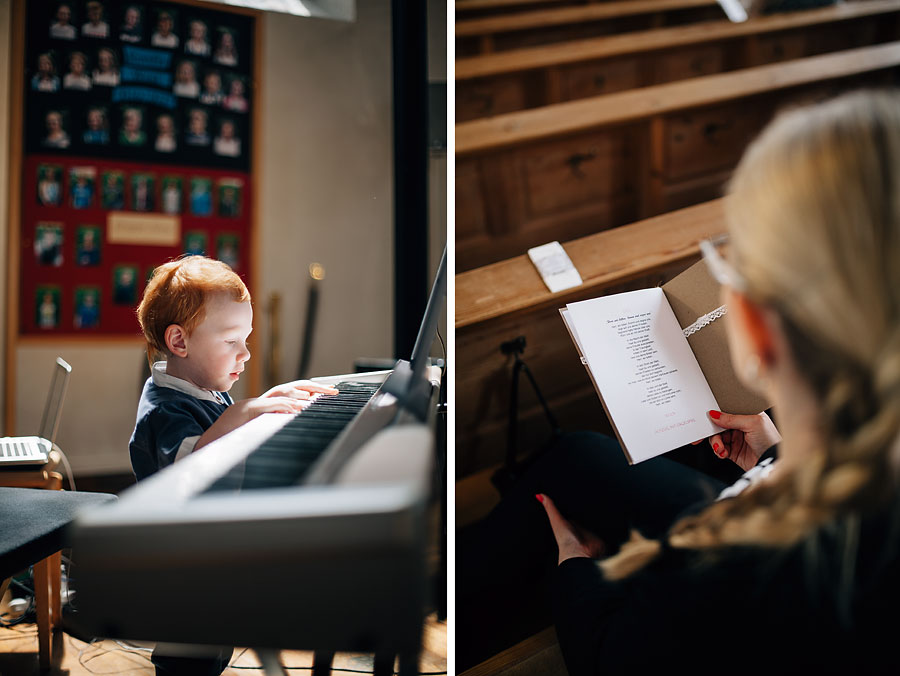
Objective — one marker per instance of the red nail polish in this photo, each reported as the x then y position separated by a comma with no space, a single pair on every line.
716,447
539,497
715,415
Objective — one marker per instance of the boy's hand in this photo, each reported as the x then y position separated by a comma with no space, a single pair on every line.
299,389
242,412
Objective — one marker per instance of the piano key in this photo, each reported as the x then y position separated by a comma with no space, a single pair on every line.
285,458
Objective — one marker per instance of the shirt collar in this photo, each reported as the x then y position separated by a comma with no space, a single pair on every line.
163,379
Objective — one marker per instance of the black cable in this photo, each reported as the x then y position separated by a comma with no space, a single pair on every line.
443,347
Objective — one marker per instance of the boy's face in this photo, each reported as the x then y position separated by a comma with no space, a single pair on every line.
217,349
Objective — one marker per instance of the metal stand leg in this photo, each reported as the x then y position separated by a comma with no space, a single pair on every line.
270,661
322,663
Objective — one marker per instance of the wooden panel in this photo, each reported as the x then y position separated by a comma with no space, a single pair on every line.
490,96
689,62
574,172
782,46
599,77
470,213
709,140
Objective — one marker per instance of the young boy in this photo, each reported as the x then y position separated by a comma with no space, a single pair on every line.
196,317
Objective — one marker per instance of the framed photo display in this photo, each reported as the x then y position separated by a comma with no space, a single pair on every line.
137,148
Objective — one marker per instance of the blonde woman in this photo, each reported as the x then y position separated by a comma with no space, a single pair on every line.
796,567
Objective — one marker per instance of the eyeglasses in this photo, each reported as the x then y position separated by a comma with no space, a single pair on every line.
719,268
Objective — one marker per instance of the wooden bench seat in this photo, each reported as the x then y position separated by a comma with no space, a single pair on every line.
499,302
502,82
570,169
497,33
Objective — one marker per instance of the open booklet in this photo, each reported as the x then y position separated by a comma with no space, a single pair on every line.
659,360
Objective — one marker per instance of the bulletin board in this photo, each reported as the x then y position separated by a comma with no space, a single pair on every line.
137,148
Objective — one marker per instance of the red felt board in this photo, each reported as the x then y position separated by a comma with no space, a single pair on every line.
63,277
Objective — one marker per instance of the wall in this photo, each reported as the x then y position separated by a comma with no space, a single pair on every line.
325,196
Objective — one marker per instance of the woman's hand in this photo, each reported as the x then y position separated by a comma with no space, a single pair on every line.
572,541
299,389
745,438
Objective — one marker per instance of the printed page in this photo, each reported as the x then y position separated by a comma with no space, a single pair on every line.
645,370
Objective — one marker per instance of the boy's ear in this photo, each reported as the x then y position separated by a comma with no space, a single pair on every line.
175,340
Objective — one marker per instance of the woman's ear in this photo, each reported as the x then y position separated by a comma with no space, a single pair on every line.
176,340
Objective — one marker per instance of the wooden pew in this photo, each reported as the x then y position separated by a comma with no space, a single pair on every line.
570,169
503,82
470,9
497,33
504,300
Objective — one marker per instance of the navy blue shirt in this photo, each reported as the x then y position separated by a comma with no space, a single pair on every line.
165,418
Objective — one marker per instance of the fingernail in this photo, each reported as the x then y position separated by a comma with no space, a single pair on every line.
715,414
540,498
716,447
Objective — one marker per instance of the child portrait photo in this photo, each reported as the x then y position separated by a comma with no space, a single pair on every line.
113,193
48,244
45,78
142,186
132,132
195,243
106,74
96,25
97,126
77,77
87,307
171,195
165,36
61,27
49,185
81,187
46,307
230,190
132,24
201,196
87,245
228,249
56,122
125,284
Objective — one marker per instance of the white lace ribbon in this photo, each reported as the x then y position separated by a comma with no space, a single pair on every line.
705,320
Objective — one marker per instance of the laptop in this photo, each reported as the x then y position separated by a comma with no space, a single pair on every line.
15,451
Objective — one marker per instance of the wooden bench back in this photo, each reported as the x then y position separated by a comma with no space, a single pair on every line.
489,34
503,82
570,169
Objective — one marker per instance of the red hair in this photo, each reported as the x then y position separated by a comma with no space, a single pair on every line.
177,294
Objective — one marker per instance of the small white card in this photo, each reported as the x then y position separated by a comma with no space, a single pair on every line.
555,266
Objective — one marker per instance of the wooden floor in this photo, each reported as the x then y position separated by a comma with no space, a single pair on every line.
18,656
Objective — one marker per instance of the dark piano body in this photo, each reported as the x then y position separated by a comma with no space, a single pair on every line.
274,536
